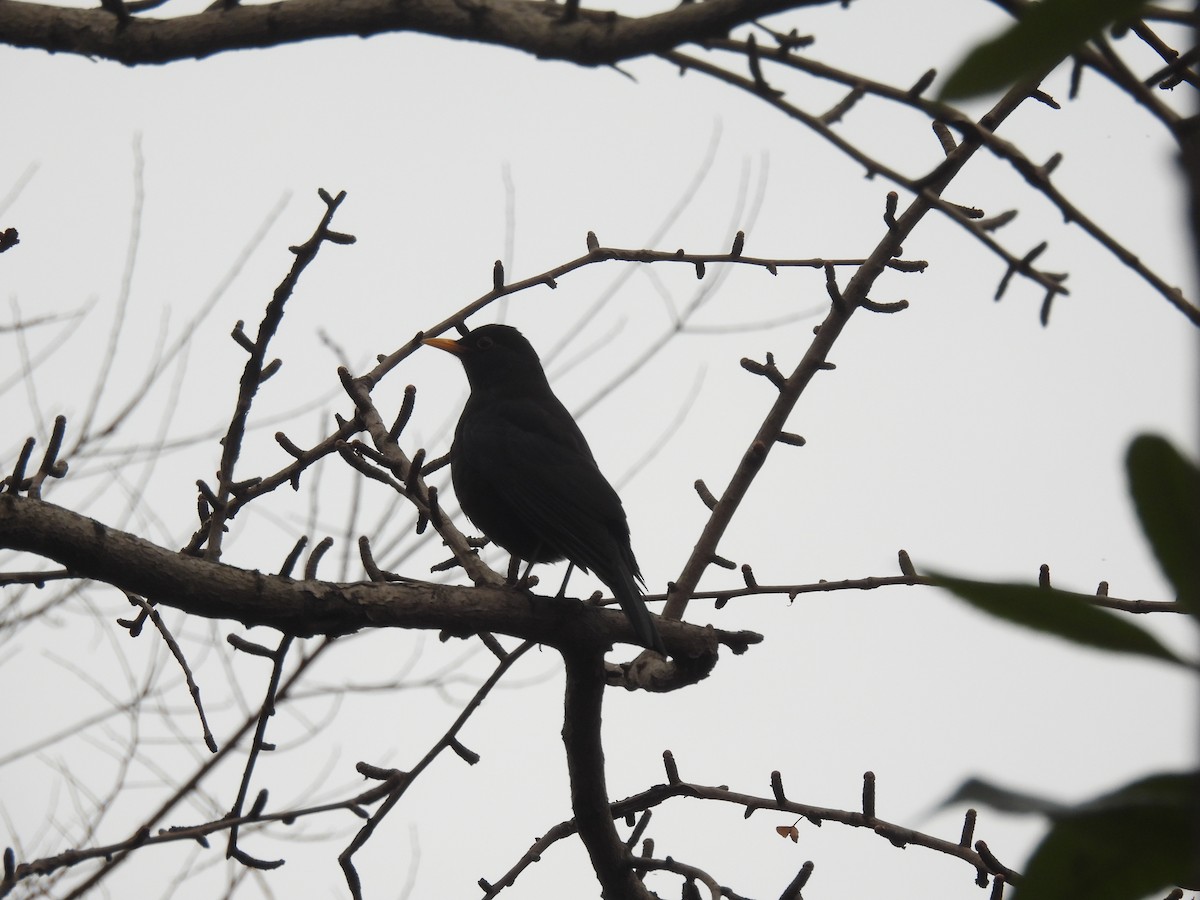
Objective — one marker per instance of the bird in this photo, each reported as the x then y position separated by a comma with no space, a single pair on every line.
525,476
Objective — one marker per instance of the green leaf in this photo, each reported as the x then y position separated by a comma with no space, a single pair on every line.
1048,33
979,792
1061,613
1166,491
1135,842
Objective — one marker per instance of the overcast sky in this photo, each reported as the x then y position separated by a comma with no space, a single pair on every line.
960,430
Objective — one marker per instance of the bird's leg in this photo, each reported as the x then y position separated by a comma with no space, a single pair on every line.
562,591
525,578
514,569
525,582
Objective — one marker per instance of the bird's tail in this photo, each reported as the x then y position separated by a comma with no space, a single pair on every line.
629,595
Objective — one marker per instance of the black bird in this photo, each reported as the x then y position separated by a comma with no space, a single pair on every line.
525,476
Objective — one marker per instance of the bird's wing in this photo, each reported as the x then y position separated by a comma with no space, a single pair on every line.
532,459
536,458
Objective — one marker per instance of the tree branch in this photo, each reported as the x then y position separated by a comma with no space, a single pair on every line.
610,857
588,37
815,358
213,590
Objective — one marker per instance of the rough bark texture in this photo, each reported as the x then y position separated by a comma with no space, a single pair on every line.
546,30
611,860
89,549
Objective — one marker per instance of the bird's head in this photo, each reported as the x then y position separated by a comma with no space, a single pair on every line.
492,354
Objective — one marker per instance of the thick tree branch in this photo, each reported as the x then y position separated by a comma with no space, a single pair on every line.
213,590
589,793
588,37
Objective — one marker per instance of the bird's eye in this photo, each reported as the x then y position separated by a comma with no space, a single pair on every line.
484,343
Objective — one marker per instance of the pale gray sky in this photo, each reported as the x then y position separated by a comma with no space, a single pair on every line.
960,430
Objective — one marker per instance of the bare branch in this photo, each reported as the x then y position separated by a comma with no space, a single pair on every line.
303,608
589,37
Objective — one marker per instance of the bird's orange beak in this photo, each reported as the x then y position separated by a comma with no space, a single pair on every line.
450,346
